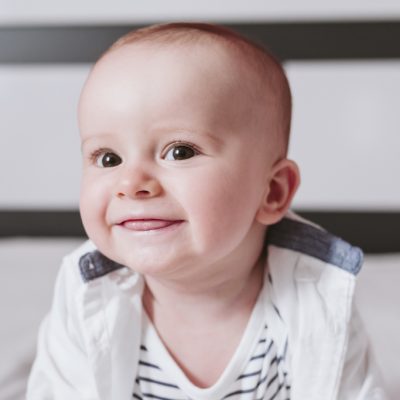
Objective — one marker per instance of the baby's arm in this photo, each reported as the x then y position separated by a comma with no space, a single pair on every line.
361,378
61,369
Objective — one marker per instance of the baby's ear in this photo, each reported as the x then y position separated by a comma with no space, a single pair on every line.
282,185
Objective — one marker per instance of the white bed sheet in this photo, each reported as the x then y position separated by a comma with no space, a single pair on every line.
28,268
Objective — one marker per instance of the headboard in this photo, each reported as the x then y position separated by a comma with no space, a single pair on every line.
375,230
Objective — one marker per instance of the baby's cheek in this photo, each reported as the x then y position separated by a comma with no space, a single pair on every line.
91,207
220,213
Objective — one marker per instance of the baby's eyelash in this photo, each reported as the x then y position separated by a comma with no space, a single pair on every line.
180,151
94,155
179,142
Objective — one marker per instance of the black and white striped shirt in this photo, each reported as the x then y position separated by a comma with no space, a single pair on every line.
256,370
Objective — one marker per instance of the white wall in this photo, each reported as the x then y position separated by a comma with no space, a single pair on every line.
39,142
346,134
118,11
346,121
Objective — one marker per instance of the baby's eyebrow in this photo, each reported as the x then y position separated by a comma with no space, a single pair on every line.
84,142
94,137
208,135
173,131
214,137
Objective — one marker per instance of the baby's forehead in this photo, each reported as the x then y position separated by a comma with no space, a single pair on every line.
204,74
210,63
210,54
217,60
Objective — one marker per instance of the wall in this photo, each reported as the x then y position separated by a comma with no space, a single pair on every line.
346,133
123,11
345,125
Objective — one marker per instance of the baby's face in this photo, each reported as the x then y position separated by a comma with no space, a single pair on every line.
175,166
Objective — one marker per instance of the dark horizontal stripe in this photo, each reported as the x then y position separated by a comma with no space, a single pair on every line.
147,364
243,391
156,397
374,232
156,382
276,310
250,374
285,350
289,40
272,380
52,223
277,392
263,354
136,396
143,347
276,360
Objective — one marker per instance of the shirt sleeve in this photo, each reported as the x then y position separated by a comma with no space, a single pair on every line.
61,369
361,378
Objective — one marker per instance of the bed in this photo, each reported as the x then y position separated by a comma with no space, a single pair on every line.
28,267
36,232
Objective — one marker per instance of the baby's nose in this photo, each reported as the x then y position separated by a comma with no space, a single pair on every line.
138,184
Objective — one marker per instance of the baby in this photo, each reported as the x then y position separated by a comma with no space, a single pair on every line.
197,282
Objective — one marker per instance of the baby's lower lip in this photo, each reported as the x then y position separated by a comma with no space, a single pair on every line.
148,224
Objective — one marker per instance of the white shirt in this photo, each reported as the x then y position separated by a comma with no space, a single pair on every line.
256,371
89,344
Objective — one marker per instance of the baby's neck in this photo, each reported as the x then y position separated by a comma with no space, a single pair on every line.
200,305
193,324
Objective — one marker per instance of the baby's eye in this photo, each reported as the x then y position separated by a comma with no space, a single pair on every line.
180,152
107,159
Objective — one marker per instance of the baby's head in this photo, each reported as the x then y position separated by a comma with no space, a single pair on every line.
257,72
184,133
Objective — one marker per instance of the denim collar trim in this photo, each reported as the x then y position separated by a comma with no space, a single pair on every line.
315,242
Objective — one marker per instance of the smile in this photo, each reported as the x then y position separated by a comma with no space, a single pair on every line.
144,225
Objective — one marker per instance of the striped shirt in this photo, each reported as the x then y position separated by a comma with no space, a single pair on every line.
256,370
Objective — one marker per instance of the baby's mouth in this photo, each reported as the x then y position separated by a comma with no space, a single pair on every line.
148,224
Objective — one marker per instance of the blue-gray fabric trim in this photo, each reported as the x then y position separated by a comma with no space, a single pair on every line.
288,233
94,265
315,242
